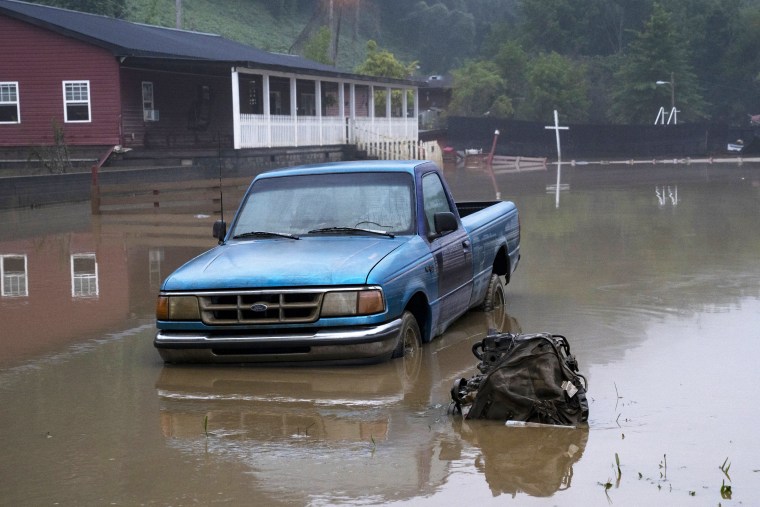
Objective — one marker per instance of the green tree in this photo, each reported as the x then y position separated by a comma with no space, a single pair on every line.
441,36
711,28
382,63
556,82
512,62
728,62
570,27
741,68
318,47
479,89
657,53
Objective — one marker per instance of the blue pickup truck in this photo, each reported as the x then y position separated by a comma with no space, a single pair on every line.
339,262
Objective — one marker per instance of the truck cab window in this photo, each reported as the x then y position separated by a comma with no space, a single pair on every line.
434,197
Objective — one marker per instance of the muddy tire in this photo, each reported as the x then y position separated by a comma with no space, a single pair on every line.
495,297
410,340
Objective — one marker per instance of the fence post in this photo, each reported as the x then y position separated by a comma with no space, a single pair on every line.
95,192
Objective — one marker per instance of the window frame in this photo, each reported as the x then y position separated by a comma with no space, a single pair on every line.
77,102
84,284
149,113
7,279
17,102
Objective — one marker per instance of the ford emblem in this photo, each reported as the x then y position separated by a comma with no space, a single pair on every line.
259,307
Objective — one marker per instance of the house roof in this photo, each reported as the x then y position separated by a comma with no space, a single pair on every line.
125,39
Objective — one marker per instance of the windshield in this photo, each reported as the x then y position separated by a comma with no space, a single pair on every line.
300,204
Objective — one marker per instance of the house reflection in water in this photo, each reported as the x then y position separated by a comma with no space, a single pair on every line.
62,288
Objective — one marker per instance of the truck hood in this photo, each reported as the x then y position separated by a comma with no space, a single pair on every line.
310,261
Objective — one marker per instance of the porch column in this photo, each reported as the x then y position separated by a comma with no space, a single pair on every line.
404,112
342,107
235,108
416,104
416,124
294,109
342,99
352,113
267,109
388,112
352,104
371,110
318,106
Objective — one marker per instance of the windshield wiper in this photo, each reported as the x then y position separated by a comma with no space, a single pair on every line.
265,234
331,230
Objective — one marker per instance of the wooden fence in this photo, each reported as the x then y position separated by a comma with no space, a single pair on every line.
164,214
196,197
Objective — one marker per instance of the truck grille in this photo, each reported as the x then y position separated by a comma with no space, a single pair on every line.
270,307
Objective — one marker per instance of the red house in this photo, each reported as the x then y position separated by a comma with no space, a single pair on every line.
98,82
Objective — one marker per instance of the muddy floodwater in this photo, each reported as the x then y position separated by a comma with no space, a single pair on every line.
651,272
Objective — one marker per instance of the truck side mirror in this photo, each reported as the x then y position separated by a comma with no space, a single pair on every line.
220,230
445,222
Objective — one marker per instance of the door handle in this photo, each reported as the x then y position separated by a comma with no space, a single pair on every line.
466,244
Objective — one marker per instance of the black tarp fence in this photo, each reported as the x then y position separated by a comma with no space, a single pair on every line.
533,139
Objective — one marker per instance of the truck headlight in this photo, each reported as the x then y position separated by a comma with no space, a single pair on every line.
177,308
346,303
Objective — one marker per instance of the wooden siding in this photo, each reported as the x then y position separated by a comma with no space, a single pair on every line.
40,60
184,120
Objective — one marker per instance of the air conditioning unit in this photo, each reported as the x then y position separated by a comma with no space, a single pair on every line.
150,114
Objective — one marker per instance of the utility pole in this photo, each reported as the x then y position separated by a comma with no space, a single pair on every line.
178,9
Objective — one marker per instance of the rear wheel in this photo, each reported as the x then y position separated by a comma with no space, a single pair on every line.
495,297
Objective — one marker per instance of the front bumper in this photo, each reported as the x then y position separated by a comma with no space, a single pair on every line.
340,345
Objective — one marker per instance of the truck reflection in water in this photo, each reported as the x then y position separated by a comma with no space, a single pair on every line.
390,422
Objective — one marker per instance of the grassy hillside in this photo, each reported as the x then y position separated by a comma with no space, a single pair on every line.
242,20
246,21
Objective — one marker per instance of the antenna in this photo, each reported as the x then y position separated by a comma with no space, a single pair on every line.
219,159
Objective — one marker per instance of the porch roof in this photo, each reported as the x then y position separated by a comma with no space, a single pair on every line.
125,39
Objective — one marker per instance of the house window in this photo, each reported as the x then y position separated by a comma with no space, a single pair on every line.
84,275
150,113
13,276
76,101
9,105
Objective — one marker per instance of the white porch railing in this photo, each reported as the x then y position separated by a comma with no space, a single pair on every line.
388,139
383,138
258,131
383,129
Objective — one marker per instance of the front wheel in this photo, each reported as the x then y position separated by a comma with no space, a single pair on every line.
410,341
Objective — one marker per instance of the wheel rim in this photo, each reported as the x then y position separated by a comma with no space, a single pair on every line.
499,300
497,317
412,357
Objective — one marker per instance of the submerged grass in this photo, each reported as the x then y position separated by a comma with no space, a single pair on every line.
725,489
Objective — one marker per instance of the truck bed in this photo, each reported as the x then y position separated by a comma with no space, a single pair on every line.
469,207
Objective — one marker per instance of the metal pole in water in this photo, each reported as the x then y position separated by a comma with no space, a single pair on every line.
556,128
